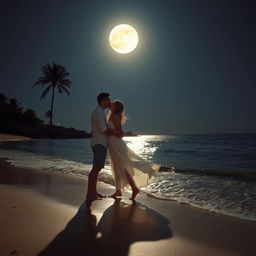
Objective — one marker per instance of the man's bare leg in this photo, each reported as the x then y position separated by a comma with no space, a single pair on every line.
95,187
92,193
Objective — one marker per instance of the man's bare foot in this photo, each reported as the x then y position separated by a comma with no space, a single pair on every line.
134,194
116,194
93,197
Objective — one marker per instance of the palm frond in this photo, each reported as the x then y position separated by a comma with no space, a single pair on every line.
47,70
61,87
37,83
65,82
42,81
64,73
45,92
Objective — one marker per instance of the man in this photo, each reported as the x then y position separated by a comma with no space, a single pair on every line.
99,141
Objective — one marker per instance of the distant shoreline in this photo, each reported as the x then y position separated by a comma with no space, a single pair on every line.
12,137
49,132
45,132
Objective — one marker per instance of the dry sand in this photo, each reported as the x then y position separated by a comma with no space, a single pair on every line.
44,213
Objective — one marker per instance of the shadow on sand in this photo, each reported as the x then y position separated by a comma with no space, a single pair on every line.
121,225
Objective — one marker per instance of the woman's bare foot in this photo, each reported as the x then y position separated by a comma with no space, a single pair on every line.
116,194
100,196
134,193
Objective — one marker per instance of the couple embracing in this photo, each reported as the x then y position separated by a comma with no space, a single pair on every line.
128,169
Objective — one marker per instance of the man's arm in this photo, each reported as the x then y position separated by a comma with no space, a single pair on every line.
101,122
119,134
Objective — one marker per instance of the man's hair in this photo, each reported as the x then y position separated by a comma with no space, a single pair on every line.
102,96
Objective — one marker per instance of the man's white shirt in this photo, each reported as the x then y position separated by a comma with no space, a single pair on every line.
99,127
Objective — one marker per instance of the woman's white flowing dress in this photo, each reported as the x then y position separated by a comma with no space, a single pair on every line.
122,159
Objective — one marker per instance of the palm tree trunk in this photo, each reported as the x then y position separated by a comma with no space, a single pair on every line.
53,91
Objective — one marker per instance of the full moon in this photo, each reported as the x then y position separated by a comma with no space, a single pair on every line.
123,38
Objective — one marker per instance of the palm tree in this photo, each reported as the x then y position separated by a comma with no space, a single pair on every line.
48,114
54,76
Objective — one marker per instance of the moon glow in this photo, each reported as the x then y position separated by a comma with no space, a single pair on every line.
123,38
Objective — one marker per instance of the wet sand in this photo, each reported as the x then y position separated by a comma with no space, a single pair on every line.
44,213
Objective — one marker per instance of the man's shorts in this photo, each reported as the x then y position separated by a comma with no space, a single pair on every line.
99,155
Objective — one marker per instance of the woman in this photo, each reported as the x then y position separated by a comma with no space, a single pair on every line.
127,167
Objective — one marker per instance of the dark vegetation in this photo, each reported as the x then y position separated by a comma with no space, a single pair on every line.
15,120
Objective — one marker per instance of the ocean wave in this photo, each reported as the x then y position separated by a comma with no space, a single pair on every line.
239,174
47,163
237,213
223,195
179,151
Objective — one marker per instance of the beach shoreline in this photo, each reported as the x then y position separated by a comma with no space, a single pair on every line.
11,137
46,207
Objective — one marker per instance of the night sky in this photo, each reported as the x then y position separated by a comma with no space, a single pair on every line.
194,69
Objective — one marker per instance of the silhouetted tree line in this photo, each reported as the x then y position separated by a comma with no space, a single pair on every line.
15,120
12,114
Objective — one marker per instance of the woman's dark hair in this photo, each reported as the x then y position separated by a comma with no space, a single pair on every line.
102,96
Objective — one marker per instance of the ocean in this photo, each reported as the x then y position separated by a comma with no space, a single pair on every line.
215,172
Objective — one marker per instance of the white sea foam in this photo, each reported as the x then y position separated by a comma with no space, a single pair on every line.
231,197
46,163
